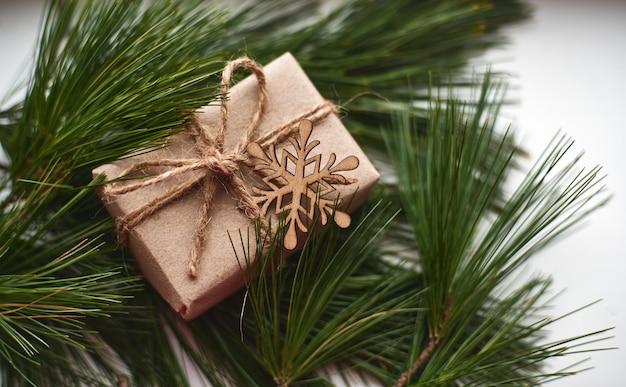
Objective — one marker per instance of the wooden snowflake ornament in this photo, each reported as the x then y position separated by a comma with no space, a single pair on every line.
297,183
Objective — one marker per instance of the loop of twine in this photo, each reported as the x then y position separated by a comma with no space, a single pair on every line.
217,166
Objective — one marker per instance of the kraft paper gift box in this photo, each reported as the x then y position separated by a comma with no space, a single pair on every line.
161,244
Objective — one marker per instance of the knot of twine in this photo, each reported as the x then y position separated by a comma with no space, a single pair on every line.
217,166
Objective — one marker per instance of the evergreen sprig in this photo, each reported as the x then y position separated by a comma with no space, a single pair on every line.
317,312
451,177
109,79
372,56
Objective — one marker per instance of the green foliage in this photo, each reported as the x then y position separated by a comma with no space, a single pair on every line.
110,79
317,312
365,45
451,177
372,56
418,283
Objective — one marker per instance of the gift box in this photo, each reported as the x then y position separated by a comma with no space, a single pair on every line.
161,243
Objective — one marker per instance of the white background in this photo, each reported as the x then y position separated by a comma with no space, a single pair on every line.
567,67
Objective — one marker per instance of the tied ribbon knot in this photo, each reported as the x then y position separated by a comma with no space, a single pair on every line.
217,167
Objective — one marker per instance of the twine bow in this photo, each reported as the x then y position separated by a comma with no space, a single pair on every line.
217,166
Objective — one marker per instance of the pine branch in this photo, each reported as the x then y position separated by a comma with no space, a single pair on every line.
466,250
295,334
426,352
109,79
373,68
344,48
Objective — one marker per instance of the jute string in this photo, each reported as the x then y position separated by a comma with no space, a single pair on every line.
217,166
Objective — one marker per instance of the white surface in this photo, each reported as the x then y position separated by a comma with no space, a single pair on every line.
568,65
19,27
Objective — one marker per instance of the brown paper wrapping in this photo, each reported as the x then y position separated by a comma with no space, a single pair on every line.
162,244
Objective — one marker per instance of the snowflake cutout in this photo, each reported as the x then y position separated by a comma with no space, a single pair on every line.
298,184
